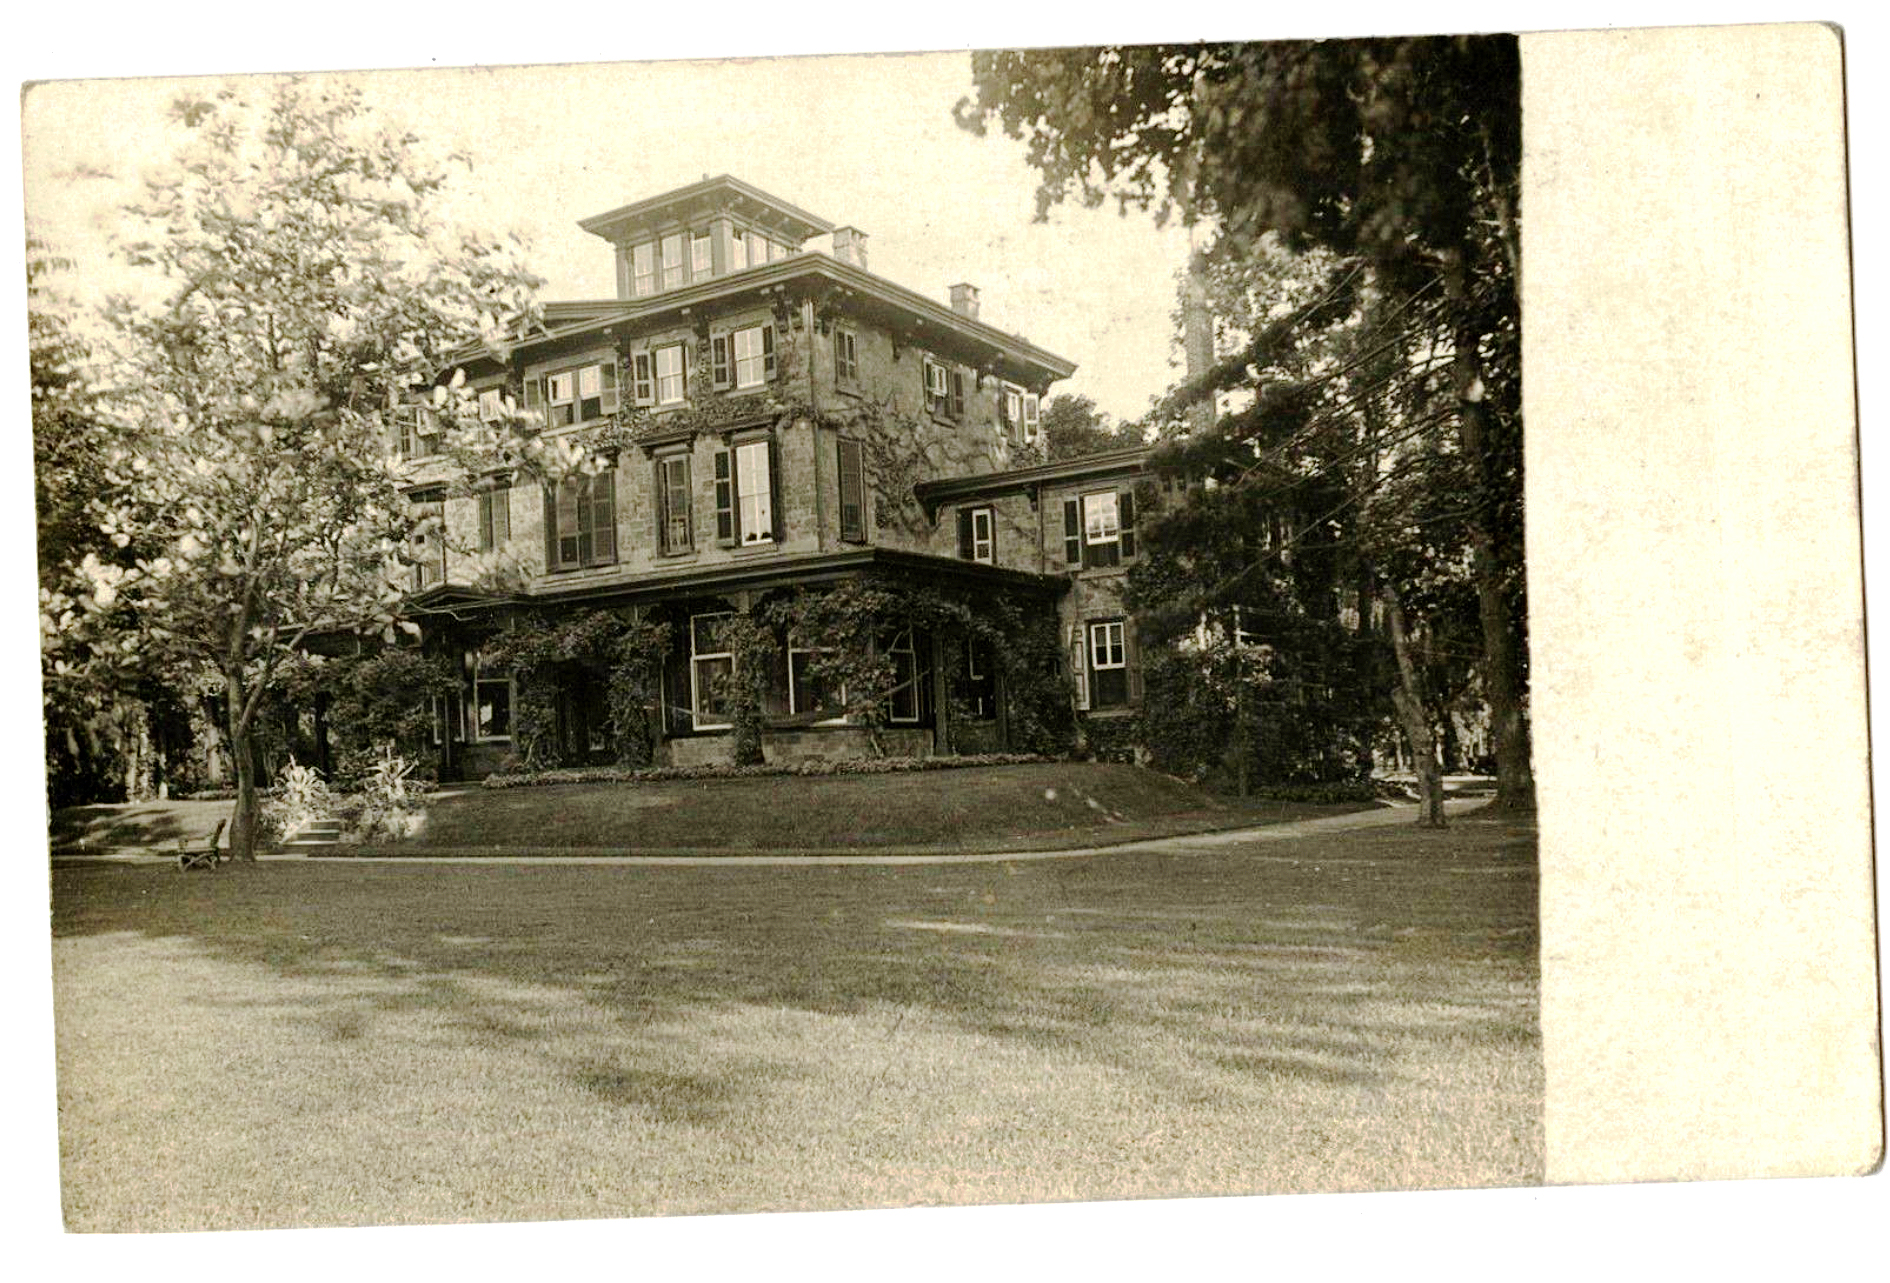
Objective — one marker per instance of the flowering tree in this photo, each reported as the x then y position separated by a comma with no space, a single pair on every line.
301,287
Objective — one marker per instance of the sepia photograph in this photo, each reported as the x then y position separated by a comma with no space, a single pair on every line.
634,639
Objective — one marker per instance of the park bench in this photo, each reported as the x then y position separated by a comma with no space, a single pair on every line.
205,856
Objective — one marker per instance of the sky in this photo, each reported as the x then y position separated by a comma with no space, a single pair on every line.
861,140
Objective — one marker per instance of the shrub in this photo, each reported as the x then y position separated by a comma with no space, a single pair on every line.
1336,791
300,795
726,771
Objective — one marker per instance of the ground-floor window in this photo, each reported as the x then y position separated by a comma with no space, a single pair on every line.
904,704
711,662
808,692
492,703
978,690
1108,665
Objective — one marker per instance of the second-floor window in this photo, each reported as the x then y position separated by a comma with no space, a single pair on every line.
426,546
581,522
577,395
944,389
419,431
661,375
673,520
977,534
491,404
745,509
495,517
743,358
1020,413
1099,529
852,490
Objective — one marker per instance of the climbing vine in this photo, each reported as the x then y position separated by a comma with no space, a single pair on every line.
629,652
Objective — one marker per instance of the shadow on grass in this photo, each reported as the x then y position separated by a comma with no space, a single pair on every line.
1332,967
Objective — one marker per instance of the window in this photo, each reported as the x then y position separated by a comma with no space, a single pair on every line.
1108,665
672,261
419,431
754,355
581,522
491,404
903,705
711,663
978,691
757,249
938,387
578,395
643,269
1101,532
754,491
492,701
660,376
495,517
737,251
426,545
1031,418
701,256
852,490
747,509
846,358
675,530
808,693
977,534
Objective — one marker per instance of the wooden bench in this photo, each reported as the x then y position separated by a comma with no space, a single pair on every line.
206,856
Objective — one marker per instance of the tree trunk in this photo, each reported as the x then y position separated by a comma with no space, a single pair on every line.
245,821
1502,644
1409,702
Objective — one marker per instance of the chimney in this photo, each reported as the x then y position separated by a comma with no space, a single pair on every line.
849,246
965,300
1197,338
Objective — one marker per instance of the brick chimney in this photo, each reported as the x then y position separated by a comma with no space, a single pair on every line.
965,300
849,245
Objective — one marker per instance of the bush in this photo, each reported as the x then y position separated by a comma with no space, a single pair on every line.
300,796
1337,791
725,771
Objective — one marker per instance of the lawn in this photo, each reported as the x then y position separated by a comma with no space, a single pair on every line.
976,808
342,1043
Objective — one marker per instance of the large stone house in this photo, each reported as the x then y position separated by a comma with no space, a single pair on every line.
768,419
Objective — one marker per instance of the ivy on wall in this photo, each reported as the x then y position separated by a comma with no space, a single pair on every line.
628,652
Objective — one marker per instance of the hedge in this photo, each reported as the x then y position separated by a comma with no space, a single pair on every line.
725,771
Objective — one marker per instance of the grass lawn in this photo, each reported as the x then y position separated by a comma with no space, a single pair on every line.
338,1043
976,808
112,826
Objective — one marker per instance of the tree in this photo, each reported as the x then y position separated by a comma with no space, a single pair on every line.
303,288
1073,427
1404,153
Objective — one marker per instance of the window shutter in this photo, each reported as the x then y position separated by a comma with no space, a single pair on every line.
767,373
774,468
604,517
852,491
958,394
535,401
643,387
964,534
719,373
501,515
612,403
485,521
1072,533
551,528
1125,507
1132,656
725,531
1079,666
